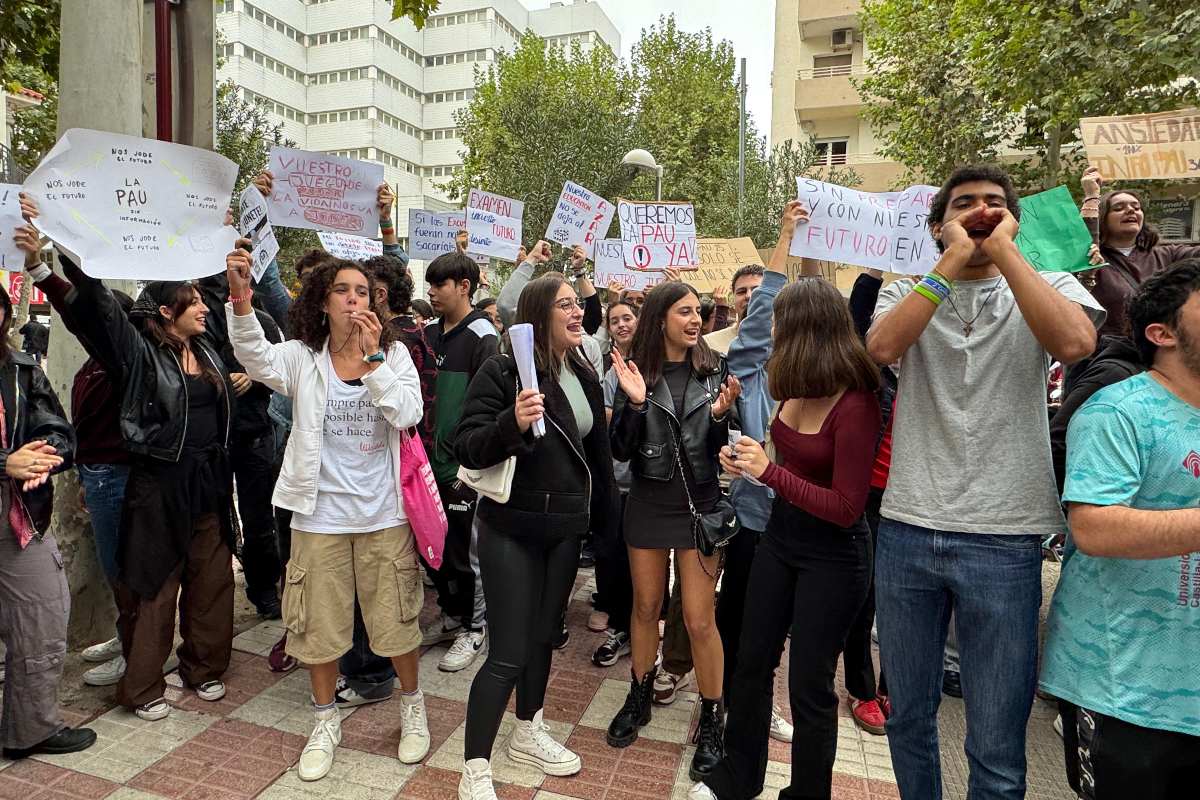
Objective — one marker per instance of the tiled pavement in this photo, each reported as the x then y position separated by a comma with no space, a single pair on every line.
247,745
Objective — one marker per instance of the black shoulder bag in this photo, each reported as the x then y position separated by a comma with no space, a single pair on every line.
712,531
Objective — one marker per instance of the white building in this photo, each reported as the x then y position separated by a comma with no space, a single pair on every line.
345,79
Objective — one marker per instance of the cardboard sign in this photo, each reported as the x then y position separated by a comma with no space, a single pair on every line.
580,218
351,248
494,224
127,207
253,225
1144,146
11,256
610,268
1053,237
880,230
323,192
430,233
658,235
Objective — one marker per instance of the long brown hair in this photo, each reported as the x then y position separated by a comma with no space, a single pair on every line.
649,348
307,318
1147,237
157,328
536,307
817,351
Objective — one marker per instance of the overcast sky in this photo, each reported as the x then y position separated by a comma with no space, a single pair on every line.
748,24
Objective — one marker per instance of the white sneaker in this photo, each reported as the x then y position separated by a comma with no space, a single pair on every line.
414,729
466,648
701,792
346,697
1058,726
442,630
105,651
781,729
106,674
154,710
317,758
476,781
530,743
212,691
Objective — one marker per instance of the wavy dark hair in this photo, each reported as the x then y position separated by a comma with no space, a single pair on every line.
157,329
649,350
817,352
307,318
392,273
536,306
1147,237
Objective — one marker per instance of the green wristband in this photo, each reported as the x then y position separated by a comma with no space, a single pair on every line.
927,294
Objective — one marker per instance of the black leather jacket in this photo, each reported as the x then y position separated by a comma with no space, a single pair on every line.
563,482
153,389
32,412
646,438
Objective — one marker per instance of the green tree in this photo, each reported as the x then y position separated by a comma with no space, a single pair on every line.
34,130
29,34
416,10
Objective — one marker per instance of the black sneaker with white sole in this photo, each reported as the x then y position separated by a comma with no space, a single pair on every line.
616,645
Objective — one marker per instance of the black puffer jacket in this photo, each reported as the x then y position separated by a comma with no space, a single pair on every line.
646,438
153,389
563,483
32,412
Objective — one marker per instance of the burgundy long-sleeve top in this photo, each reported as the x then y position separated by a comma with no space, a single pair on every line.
828,473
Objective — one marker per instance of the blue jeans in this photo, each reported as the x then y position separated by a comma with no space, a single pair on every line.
993,585
104,493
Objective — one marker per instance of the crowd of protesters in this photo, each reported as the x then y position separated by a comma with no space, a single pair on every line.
787,472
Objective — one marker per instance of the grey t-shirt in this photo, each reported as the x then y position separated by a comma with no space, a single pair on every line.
971,438
621,470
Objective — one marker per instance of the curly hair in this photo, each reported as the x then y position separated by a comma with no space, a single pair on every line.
307,318
393,274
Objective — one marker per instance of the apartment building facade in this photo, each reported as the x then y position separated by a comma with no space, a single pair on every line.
344,78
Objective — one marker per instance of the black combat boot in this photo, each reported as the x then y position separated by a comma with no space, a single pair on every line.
709,740
623,730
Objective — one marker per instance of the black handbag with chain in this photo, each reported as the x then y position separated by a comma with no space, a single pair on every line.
711,531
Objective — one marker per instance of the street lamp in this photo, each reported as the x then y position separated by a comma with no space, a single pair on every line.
641,161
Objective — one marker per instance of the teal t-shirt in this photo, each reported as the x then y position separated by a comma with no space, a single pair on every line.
1123,635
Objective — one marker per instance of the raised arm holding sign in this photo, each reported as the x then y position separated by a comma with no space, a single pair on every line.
324,193
126,207
253,225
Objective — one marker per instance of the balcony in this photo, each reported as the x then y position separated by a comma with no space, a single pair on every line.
877,174
820,17
827,92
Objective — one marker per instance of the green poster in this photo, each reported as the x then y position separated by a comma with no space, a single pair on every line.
1053,237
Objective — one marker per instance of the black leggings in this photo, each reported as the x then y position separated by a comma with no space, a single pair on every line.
527,581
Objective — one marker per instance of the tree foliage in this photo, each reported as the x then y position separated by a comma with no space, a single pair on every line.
954,81
34,130
416,10
29,34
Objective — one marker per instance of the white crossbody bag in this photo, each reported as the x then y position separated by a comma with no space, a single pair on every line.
492,482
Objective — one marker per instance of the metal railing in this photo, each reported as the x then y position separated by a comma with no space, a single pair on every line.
10,171
831,72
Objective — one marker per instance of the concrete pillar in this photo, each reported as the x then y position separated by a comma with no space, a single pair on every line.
100,79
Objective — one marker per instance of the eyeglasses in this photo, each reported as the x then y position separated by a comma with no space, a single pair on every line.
568,305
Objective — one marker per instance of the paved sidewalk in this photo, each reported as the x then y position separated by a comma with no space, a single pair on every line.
247,745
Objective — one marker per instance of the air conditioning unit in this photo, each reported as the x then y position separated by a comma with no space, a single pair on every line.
842,39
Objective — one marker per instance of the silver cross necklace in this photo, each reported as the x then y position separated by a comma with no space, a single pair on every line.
968,326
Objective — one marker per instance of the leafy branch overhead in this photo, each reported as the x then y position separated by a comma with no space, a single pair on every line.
416,10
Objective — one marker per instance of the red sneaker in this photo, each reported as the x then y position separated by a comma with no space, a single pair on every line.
885,703
868,715
280,661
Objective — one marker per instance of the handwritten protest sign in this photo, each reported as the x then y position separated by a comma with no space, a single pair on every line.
1053,237
610,268
658,235
11,257
431,233
323,192
880,230
127,207
253,225
354,248
581,217
1144,146
494,224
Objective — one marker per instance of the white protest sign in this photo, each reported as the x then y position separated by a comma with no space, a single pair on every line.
323,192
658,235
431,234
494,224
581,217
610,268
879,230
353,248
254,226
11,256
126,207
